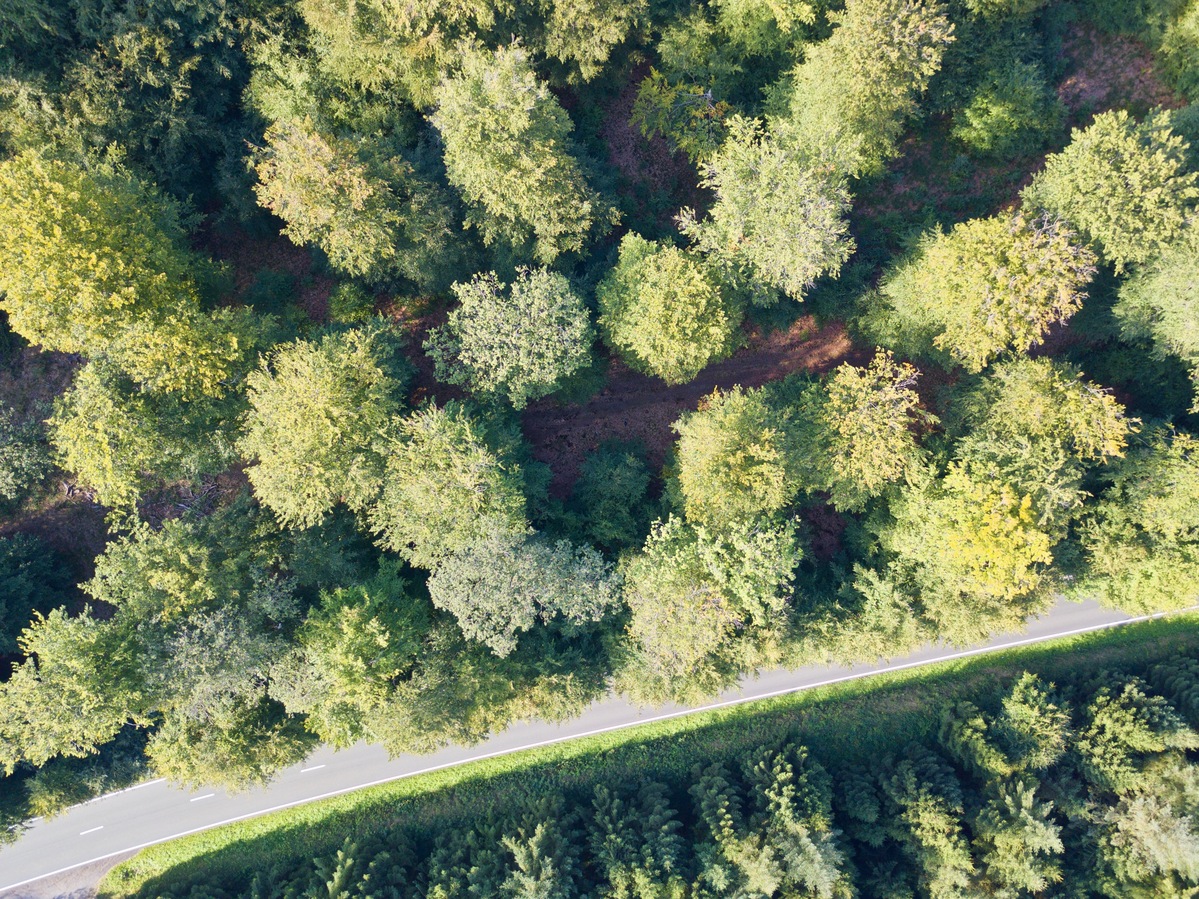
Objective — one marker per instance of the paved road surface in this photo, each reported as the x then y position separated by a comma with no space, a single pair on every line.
158,811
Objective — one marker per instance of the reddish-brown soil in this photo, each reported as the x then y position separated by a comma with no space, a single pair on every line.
633,406
248,255
1111,71
648,167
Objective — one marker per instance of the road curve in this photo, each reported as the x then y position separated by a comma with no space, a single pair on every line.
157,811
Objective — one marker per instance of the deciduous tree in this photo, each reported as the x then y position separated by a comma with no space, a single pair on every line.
519,341
662,310
1123,183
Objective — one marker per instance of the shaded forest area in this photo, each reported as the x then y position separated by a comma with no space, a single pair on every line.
394,372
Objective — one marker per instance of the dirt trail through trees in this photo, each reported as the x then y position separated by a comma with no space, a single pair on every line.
633,406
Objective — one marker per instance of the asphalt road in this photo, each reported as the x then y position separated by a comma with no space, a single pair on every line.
157,811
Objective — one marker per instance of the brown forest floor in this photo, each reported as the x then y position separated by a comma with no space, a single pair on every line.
633,406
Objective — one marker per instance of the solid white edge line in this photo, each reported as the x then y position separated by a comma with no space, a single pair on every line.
982,650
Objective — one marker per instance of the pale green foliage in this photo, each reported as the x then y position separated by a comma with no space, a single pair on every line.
444,488
763,27
863,434
94,261
854,91
318,416
1012,113
351,649
663,312
1019,842
508,150
371,223
506,582
380,45
73,698
696,595
1142,538
993,284
779,217
733,461
1147,841
1160,303
1122,183
118,441
520,341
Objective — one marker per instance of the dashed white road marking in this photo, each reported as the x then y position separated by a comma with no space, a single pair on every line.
93,830
205,796
313,768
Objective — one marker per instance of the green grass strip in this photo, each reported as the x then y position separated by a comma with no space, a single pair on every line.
856,720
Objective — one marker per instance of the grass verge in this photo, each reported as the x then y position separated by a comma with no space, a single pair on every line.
846,722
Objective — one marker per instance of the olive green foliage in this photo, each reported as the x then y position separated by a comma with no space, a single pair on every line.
990,285
705,604
862,431
198,623
779,217
1013,113
1142,538
853,92
733,460
508,150
320,413
663,311
24,460
350,651
1123,183
32,579
119,442
94,261
374,224
1027,788
1179,51
1039,423
612,496
1159,303
686,114
518,341
506,582
444,488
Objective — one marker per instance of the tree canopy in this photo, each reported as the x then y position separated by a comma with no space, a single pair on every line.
519,341
664,312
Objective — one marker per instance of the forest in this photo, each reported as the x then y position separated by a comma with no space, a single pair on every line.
1026,788
392,372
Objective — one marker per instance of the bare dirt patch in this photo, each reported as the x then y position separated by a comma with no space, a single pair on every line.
248,255
654,177
633,406
1111,72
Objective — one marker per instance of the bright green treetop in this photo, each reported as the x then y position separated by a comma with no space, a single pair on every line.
508,150
733,460
319,414
854,91
779,217
661,309
444,488
993,284
1122,183
95,261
